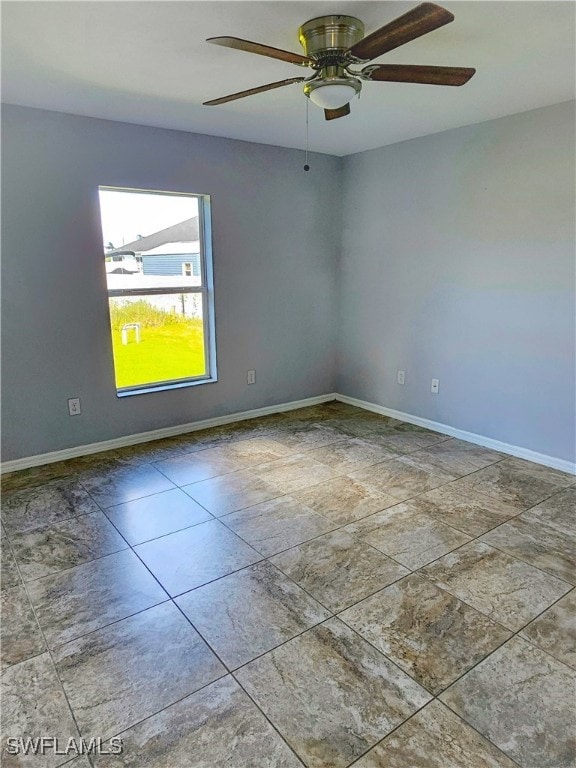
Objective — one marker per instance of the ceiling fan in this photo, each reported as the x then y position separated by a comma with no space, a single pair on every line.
334,44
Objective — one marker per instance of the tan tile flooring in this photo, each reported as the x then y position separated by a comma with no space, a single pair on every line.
323,587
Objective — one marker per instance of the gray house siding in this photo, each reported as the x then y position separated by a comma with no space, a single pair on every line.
170,263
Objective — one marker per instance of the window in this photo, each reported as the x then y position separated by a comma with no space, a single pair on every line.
158,264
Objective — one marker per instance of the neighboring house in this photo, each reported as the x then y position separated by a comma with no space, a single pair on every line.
171,251
160,262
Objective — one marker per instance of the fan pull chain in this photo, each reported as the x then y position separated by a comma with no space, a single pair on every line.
306,166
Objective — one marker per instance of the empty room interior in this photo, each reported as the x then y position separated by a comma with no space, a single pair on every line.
288,384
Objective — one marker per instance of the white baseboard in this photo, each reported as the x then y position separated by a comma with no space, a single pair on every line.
470,437
156,434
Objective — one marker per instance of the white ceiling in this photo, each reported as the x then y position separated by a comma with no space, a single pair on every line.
148,63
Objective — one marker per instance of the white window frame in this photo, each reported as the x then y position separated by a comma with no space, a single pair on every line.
206,290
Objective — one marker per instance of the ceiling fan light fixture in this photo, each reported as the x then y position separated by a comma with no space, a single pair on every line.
332,94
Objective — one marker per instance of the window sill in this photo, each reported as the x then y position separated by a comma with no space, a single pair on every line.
163,387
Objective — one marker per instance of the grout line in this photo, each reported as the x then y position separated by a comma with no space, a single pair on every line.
436,696
9,534
439,701
76,565
232,670
105,626
301,760
526,562
46,646
332,614
164,535
320,535
163,709
325,533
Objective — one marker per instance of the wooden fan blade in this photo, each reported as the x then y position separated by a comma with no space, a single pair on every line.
407,73
334,114
251,91
417,22
262,50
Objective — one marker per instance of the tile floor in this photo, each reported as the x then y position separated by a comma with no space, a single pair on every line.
324,587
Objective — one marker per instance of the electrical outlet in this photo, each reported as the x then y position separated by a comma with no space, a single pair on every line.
251,377
435,386
74,406
400,377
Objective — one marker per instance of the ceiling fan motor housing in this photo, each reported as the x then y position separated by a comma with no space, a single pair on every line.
327,37
325,40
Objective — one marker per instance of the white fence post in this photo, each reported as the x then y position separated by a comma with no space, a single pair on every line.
127,327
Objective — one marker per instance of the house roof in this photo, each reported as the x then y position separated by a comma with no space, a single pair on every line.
183,232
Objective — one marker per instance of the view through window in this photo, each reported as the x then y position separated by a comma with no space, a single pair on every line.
156,253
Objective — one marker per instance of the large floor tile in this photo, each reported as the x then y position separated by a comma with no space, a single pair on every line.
54,548
406,427
330,694
556,476
73,602
195,556
228,493
557,512
28,478
508,590
257,450
20,636
402,442
275,525
351,454
59,470
156,515
213,437
470,513
326,411
217,727
363,425
44,505
429,633
79,762
523,701
122,673
536,543
407,534
248,613
9,574
555,630
200,465
226,434
34,705
119,485
343,500
299,471
435,738
155,450
458,457
517,486
403,477
338,570
302,436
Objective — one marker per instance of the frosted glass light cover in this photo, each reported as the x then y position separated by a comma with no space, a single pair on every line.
332,96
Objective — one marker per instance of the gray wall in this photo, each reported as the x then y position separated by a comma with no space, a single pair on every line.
275,250
458,264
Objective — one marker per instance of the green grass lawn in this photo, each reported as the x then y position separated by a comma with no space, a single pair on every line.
165,352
